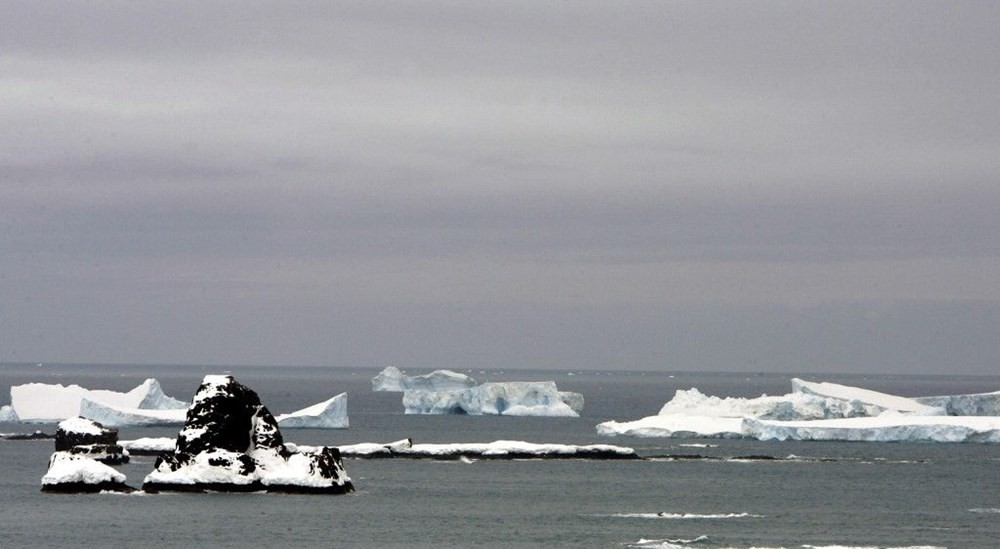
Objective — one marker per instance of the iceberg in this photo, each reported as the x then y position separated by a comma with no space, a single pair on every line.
817,411
391,379
979,404
514,398
45,403
149,446
8,415
329,414
114,416
874,401
884,428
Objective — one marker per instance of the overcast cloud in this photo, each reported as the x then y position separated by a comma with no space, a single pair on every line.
759,186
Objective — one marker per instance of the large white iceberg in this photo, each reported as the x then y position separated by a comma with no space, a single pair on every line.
498,449
514,398
391,379
816,411
47,403
329,414
884,428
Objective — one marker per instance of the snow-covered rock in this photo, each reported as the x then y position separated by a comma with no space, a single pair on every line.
115,416
514,398
979,404
231,442
889,427
329,414
47,403
393,380
8,415
69,473
874,401
81,436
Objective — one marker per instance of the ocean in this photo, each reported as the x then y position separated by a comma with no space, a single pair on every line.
833,495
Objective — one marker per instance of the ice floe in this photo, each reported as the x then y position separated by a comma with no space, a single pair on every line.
883,428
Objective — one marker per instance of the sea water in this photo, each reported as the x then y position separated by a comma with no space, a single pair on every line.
833,494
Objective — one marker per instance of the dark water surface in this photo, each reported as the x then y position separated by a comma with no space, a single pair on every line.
849,494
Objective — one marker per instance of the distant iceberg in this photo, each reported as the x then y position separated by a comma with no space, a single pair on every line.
818,411
329,414
498,449
45,403
391,379
514,398
8,415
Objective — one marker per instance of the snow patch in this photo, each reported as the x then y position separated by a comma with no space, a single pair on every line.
67,468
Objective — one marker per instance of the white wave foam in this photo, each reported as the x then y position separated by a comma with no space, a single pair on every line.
678,516
666,543
987,510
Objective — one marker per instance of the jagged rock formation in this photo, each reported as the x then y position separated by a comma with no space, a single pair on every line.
231,442
89,438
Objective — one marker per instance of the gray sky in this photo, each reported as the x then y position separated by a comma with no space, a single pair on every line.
754,186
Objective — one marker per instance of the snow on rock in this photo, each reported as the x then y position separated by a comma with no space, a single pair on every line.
46,403
980,404
514,398
77,430
81,436
231,442
70,473
393,380
8,415
500,449
887,427
329,414
874,401
115,416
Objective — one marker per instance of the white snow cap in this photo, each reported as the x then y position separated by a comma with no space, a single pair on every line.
65,468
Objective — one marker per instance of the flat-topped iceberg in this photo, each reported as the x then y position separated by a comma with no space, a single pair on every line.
47,403
513,398
392,379
883,428
817,411
329,414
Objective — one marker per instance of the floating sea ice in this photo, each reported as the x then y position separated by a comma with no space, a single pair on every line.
884,428
391,379
876,401
47,403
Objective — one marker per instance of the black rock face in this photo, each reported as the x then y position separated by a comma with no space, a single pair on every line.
65,440
108,454
222,419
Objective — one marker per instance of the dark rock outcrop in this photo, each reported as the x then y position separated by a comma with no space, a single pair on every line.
231,442
79,431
